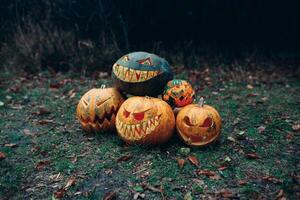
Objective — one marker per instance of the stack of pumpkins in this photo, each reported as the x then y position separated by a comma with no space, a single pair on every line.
145,118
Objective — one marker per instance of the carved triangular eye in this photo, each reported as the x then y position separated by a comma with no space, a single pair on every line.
100,102
85,102
126,113
187,121
126,58
139,116
146,61
208,122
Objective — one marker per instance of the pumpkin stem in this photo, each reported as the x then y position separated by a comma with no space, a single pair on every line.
103,86
201,102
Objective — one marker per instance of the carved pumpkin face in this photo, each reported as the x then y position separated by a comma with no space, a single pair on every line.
198,125
145,120
141,73
179,93
97,109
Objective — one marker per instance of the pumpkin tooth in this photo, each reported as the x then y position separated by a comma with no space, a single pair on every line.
151,74
119,124
149,124
144,126
126,77
137,74
143,75
119,69
126,69
132,130
120,72
137,129
148,130
129,131
131,72
156,123
123,72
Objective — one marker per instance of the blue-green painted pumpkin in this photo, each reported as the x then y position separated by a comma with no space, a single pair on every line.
141,73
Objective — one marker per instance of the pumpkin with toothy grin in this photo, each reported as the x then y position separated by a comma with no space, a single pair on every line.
145,120
141,73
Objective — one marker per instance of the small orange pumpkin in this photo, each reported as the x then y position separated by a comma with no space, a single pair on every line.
178,93
145,120
97,109
198,124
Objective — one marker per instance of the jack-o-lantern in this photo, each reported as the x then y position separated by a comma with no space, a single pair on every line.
178,93
145,120
198,124
97,109
141,73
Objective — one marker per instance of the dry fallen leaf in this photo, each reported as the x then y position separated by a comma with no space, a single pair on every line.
28,132
109,196
289,136
252,95
296,127
54,85
280,194
70,183
14,88
45,121
272,179
231,139
261,129
193,160
180,162
124,158
249,86
43,111
60,193
153,189
242,182
42,164
252,156
226,193
10,145
137,195
222,167
205,172
2,156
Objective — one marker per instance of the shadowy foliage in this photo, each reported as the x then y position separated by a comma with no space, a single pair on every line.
78,35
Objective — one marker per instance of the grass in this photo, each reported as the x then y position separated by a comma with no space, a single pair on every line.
44,150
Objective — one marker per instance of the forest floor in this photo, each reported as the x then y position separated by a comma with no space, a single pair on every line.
44,153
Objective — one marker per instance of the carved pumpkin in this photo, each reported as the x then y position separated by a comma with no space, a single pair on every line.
145,120
178,93
198,124
141,73
97,109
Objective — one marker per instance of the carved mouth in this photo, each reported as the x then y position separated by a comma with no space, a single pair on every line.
130,75
207,126
139,130
106,118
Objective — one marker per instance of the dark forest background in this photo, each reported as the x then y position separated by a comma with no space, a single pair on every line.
81,35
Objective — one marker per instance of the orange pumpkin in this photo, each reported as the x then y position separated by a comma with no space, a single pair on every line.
198,124
145,120
97,109
178,93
